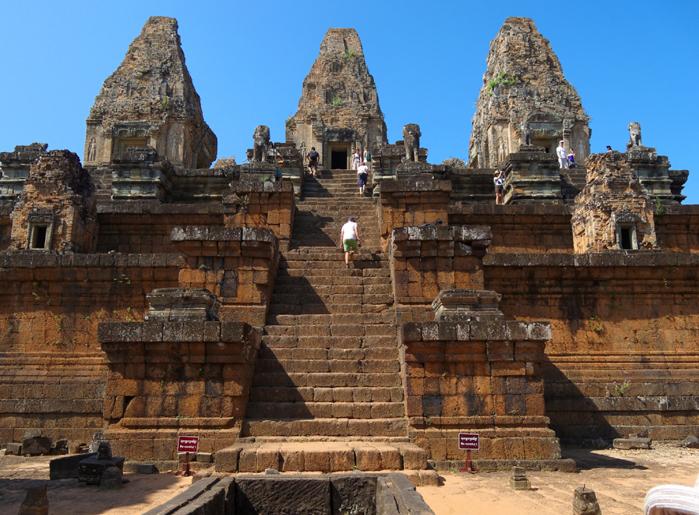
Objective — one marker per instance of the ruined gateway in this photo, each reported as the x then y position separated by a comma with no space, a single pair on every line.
147,295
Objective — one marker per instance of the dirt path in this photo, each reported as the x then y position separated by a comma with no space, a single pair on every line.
619,478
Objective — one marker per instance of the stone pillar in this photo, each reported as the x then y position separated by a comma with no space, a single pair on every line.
532,175
268,204
180,371
472,371
237,264
412,201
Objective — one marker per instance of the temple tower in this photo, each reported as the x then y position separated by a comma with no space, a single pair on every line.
339,107
150,101
525,99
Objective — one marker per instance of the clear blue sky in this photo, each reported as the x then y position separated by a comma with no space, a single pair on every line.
628,61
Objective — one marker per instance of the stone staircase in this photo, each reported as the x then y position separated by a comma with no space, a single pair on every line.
327,379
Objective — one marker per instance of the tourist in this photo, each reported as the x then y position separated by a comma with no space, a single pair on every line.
499,182
313,158
571,159
362,176
562,155
349,236
609,149
356,160
367,158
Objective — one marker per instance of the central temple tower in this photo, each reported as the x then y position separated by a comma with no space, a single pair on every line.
339,107
525,100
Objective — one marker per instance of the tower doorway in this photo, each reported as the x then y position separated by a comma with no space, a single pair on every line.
339,155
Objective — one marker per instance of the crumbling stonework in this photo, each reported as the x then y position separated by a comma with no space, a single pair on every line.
150,101
339,106
56,210
525,99
184,371
14,168
613,211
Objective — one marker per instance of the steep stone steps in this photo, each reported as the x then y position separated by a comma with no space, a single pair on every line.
328,367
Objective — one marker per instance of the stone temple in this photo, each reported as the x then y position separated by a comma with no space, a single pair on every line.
146,295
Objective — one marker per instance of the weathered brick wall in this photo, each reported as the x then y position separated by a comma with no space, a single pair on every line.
238,265
412,201
624,353
430,258
479,376
145,226
677,228
527,228
254,203
173,376
53,371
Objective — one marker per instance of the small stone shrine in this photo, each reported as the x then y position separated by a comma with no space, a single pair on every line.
91,470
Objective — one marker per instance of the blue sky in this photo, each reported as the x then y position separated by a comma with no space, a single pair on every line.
627,60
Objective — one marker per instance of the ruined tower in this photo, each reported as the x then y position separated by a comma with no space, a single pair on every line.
613,211
339,107
150,101
525,99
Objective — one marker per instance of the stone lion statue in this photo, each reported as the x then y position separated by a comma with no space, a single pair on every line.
635,134
260,143
411,141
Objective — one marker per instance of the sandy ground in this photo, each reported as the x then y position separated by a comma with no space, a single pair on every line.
69,497
619,478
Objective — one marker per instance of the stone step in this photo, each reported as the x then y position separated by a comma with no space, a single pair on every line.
314,410
337,427
315,394
386,317
357,271
284,354
324,365
368,454
329,264
325,379
289,340
328,330
312,297
298,280
320,308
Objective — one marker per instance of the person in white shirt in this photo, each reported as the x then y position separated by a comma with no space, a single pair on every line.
356,160
562,154
349,236
362,176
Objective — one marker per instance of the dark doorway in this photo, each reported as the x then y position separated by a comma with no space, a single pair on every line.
338,159
626,238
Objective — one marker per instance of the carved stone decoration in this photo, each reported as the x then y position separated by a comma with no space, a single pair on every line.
150,101
635,135
411,141
613,211
525,100
260,143
339,107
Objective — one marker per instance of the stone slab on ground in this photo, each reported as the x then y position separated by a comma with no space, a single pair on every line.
632,443
66,467
333,456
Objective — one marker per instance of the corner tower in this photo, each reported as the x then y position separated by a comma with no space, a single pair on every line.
150,101
525,99
339,107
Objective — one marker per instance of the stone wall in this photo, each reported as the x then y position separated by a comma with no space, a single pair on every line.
410,202
253,203
623,353
238,265
168,376
50,306
483,378
431,258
